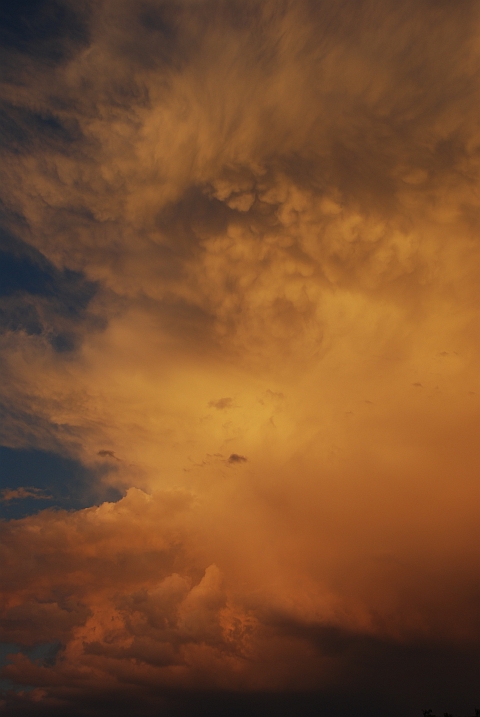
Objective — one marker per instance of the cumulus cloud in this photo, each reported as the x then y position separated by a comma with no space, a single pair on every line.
231,230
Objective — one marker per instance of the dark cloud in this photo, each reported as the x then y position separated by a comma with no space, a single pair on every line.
221,403
161,34
44,30
23,130
404,677
40,299
236,458
107,454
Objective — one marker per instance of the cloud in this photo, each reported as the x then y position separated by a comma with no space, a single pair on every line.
275,204
107,454
39,300
9,494
236,458
221,403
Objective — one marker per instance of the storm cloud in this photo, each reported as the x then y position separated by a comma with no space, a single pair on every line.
230,231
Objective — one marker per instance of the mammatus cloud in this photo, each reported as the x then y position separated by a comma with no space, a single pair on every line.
244,230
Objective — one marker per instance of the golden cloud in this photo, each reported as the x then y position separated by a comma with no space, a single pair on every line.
279,205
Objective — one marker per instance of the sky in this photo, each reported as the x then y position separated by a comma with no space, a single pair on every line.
239,351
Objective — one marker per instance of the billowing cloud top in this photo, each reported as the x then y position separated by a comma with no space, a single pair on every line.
239,283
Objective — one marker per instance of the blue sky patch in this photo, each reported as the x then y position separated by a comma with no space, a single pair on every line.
43,652
32,480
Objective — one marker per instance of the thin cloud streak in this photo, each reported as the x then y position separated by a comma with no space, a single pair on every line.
9,494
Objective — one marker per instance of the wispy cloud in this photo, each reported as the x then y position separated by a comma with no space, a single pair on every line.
8,494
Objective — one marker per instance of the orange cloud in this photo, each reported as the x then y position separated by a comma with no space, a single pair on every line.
9,494
277,204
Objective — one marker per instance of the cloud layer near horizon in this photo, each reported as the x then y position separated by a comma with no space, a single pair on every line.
268,216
